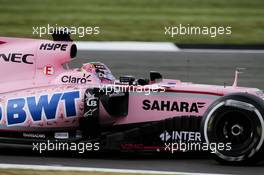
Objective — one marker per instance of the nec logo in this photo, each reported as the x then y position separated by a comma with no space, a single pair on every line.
53,46
17,58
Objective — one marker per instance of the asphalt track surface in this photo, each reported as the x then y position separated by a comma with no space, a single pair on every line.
197,66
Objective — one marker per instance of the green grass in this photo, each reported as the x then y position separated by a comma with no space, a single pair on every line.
137,20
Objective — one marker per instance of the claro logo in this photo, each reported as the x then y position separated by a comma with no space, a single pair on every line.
17,58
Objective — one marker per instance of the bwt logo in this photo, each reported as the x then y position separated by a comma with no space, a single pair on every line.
43,108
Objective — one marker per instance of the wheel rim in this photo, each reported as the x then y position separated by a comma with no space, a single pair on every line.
239,127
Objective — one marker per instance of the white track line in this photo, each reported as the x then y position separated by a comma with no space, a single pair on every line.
220,51
84,169
127,46
150,46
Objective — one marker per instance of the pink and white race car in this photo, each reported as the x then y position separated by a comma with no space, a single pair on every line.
42,99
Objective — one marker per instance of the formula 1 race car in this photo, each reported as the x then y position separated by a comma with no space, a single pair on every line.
42,99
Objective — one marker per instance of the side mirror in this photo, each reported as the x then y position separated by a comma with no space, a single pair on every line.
155,76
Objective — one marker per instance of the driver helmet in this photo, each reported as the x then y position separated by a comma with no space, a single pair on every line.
99,69
88,68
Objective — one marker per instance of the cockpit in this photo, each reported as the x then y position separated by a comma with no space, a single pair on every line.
104,75
92,72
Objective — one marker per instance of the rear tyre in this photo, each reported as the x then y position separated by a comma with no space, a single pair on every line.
234,123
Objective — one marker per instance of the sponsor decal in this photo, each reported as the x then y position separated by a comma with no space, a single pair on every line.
91,103
17,58
89,112
99,66
18,110
48,70
172,106
61,135
130,146
34,135
165,136
181,136
53,46
76,80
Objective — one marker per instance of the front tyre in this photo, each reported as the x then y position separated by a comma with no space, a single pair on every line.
236,121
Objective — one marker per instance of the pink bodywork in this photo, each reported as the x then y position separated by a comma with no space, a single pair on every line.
23,80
